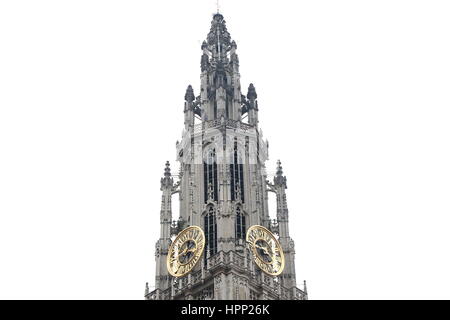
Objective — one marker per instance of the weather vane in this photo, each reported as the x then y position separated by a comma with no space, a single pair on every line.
217,5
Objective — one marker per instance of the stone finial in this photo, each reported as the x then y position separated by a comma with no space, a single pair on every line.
279,179
279,168
204,45
218,17
251,94
233,44
167,169
167,180
189,96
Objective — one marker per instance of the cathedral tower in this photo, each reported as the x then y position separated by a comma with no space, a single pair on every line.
223,189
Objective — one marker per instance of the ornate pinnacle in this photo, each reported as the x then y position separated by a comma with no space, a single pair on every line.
167,169
218,39
251,94
234,57
279,168
279,179
204,62
167,180
189,96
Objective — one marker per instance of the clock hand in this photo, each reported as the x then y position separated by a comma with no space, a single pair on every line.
263,249
183,252
186,250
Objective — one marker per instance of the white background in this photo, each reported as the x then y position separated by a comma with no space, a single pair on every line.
354,99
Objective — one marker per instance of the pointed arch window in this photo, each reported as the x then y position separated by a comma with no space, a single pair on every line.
237,175
210,176
210,228
240,225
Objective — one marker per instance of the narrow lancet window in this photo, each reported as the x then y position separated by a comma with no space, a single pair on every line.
240,224
210,177
210,228
237,175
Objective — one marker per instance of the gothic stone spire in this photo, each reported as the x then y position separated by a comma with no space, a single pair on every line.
221,189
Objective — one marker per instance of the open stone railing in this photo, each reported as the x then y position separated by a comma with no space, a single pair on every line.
228,123
163,295
223,259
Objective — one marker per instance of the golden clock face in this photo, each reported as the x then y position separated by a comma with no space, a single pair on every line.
185,251
267,252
